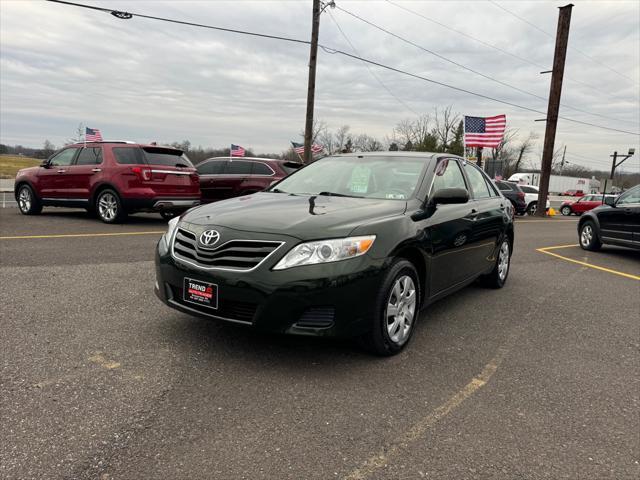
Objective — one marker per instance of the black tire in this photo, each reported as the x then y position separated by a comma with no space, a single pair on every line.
168,214
28,201
108,207
531,208
498,276
588,237
378,340
566,211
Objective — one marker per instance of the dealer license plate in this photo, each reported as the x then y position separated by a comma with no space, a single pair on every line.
201,293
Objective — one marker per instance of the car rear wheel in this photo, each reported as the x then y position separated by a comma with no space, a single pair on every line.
28,202
588,237
498,276
109,207
397,309
566,211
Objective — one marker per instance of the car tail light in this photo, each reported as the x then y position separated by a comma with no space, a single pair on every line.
142,173
521,195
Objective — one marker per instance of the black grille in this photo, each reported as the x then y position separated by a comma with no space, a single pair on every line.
239,311
317,317
234,254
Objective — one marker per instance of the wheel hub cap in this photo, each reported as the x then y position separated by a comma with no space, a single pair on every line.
401,309
107,206
24,199
503,260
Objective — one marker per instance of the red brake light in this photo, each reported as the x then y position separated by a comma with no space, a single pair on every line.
521,195
142,173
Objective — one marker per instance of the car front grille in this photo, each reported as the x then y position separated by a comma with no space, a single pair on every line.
231,255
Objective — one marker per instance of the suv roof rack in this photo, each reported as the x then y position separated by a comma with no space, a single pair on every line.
129,142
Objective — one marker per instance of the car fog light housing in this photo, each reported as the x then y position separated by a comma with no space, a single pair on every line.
325,251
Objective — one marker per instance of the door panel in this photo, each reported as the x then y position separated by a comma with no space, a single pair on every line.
52,181
86,170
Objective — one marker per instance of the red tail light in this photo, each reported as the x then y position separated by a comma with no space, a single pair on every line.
521,195
142,173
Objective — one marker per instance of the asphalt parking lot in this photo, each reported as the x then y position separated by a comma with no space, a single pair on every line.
100,380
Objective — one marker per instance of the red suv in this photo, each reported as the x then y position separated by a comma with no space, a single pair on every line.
111,179
227,177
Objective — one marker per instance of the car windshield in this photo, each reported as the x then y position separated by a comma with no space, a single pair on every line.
381,177
166,156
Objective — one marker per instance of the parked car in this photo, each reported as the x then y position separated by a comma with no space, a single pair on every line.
227,177
531,193
617,222
573,193
514,193
110,179
583,204
351,245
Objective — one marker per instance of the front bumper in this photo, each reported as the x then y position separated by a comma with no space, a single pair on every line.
333,299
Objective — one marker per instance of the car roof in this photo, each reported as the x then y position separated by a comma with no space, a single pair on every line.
128,143
246,158
395,154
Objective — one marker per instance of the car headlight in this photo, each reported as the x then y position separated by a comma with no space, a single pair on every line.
325,251
172,226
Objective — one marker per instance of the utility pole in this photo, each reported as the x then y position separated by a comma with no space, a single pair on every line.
559,56
615,165
311,89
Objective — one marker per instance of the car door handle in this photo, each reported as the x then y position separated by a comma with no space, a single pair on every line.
61,171
96,170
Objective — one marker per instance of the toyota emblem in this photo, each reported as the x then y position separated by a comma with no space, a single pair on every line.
209,238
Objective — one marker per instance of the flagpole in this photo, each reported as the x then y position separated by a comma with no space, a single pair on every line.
464,137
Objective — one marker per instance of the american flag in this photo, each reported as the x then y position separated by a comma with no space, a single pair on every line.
484,132
92,135
237,151
299,148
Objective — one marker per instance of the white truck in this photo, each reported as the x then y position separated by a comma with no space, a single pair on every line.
557,183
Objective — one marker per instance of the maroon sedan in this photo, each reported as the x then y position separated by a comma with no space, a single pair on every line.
227,177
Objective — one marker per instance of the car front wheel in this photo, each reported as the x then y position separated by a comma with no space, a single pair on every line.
28,202
397,309
566,211
498,276
588,238
531,209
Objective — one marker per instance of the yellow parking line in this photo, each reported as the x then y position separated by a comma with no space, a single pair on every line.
75,235
590,265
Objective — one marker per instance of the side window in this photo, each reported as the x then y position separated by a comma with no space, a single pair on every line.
261,169
448,175
503,186
526,189
89,156
211,168
64,158
630,196
238,167
478,184
128,155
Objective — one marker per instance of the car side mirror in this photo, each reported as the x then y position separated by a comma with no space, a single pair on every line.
45,164
611,201
446,196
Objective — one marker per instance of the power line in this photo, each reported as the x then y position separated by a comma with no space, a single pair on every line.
495,47
488,77
595,60
338,52
369,67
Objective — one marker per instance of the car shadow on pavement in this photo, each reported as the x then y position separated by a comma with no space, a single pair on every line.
135,219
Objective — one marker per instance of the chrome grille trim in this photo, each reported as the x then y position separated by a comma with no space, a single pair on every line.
189,251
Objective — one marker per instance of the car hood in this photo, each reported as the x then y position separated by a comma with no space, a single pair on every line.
24,171
301,216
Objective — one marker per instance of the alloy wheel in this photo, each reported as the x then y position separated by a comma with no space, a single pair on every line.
108,206
566,211
586,236
24,199
401,309
503,261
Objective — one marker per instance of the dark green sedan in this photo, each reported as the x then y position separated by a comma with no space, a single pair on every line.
352,245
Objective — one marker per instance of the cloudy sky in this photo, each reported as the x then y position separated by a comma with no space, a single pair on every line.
147,80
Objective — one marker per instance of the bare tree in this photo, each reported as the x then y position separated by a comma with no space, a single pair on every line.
78,136
366,143
446,122
48,149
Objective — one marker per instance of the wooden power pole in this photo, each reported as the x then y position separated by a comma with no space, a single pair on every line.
311,89
562,37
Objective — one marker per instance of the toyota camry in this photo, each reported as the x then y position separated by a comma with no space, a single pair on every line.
353,245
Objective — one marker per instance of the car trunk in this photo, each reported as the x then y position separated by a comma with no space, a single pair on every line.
169,172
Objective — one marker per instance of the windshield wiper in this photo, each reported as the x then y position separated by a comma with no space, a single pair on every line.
333,194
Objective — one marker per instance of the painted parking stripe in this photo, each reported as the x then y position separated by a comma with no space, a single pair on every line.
78,235
586,264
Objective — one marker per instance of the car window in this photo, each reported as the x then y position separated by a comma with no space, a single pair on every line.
527,189
448,175
261,169
64,158
128,155
238,167
166,156
89,156
212,168
630,196
478,185
505,187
